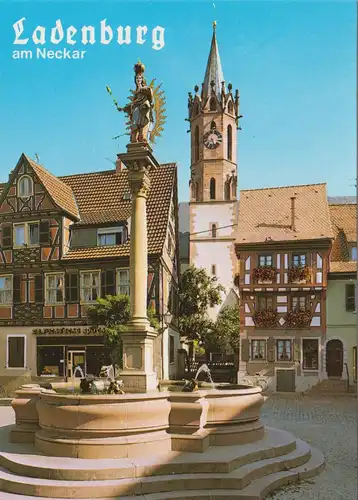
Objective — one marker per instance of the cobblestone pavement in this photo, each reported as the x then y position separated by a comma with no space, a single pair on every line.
327,424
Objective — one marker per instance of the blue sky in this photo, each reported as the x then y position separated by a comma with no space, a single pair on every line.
293,62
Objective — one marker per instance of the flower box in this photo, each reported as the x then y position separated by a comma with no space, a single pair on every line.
264,274
266,318
299,274
298,319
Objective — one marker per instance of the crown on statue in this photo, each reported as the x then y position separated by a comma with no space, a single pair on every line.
139,68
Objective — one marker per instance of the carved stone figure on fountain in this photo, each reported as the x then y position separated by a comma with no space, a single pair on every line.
145,109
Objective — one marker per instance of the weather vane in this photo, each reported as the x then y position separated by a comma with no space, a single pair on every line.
145,110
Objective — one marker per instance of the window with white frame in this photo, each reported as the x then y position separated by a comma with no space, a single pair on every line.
110,236
258,350
26,234
299,260
54,289
5,289
265,260
25,186
90,286
299,303
353,253
123,282
16,351
284,350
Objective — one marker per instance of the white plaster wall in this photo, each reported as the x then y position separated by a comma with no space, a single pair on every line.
170,369
221,214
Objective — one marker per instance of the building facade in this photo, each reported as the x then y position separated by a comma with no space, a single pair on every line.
65,243
340,347
283,245
213,118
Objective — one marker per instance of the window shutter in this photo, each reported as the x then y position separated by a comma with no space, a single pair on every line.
350,297
39,288
108,282
17,289
71,287
119,238
6,236
45,232
245,350
296,352
271,349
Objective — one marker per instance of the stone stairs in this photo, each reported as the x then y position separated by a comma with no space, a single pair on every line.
245,472
332,387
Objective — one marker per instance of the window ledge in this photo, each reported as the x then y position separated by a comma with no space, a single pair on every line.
6,304
49,304
16,368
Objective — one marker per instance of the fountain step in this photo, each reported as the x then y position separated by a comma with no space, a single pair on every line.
213,460
236,480
258,489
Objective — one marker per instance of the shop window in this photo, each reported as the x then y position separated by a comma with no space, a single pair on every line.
90,286
5,289
310,354
50,361
284,350
16,351
123,285
258,350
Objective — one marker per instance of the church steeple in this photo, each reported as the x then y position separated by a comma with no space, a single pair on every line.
214,76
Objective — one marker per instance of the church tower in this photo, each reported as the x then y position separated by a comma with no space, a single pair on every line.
214,120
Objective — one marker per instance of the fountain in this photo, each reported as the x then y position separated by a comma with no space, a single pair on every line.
148,443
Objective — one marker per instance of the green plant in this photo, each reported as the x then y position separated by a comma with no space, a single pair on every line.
298,319
299,273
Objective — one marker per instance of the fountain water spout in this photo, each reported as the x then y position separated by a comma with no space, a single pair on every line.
204,368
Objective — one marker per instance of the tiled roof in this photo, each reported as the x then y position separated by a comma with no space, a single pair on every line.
343,267
344,225
61,193
265,214
96,192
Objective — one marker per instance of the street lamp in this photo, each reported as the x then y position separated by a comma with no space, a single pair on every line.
167,317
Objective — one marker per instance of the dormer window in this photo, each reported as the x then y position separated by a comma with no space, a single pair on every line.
111,236
353,253
25,186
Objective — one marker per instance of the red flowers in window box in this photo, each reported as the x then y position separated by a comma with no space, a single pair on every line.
299,273
298,319
267,318
264,273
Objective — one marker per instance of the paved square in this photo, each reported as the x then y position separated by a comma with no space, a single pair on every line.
329,424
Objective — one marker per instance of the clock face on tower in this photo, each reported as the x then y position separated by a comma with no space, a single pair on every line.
212,139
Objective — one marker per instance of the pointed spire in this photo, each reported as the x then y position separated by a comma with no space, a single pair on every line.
214,72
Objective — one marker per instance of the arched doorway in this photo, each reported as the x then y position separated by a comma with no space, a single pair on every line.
334,358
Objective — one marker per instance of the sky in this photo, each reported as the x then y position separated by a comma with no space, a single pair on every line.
294,64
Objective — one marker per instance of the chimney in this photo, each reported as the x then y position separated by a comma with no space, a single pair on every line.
293,213
119,165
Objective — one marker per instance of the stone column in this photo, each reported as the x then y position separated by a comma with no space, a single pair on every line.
138,374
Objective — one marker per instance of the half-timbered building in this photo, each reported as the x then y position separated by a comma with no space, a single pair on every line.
64,243
283,245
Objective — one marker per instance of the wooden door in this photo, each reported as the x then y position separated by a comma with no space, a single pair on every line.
334,358
285,380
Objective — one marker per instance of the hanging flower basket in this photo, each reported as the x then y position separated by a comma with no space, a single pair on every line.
264,274
297,274
298,319
266,318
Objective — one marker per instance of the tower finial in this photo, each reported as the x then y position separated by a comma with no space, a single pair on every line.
214,26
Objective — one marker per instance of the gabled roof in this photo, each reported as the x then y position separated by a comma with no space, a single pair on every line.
266,214
60,193
214,70
102,198
344,225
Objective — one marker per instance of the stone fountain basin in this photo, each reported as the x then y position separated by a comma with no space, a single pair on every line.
132,425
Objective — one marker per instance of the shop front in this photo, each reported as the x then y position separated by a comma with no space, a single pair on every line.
62,354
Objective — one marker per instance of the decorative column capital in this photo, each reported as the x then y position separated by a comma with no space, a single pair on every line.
139,183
